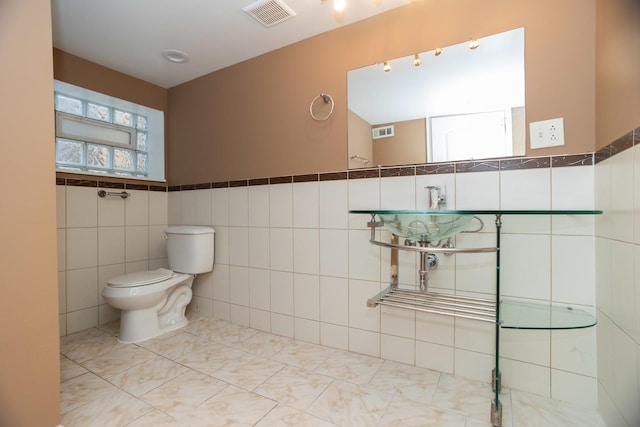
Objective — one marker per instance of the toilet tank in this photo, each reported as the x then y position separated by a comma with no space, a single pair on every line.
190,248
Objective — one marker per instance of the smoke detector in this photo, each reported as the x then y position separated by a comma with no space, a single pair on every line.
269,12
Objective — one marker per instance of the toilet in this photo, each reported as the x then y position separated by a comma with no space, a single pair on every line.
154,302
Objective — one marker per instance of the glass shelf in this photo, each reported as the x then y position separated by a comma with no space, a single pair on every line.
525,315
476,212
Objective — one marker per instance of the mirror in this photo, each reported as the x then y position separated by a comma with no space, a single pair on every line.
450,104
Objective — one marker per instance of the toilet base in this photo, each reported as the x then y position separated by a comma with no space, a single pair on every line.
141,325
136,332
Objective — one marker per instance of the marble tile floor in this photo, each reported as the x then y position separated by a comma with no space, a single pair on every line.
213,373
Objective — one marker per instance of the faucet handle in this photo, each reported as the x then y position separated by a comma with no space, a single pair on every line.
436,197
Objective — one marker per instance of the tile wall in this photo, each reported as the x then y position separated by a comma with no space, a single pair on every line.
291,260
100,238
618,277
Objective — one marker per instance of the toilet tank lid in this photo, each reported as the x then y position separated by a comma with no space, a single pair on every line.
189,229
141,278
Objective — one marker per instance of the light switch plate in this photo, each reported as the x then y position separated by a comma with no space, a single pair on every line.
547,133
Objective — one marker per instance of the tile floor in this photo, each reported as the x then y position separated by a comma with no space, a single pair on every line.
213,373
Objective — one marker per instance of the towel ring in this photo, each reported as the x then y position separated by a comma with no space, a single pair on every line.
327,99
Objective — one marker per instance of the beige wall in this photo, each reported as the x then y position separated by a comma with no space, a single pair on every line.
407,145
617,69
29,352
361,144
89,75
251,120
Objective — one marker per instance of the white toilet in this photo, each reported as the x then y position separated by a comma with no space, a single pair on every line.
154,302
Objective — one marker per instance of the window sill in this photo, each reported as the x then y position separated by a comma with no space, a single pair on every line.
86,176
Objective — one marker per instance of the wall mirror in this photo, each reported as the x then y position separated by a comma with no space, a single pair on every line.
459,102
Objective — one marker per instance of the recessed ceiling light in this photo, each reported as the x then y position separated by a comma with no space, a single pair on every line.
174,55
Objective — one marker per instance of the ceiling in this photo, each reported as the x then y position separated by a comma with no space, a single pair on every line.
129,36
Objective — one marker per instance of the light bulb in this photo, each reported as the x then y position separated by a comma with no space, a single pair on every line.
339,5
386,67
473,44
416,60
438,51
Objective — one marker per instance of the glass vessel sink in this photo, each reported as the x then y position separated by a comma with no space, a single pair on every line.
424,227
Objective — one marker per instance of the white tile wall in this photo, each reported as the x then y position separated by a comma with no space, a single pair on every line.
618,287
100,238
292,261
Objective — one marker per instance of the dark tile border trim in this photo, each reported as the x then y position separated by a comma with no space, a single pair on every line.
363,173
119,185
572,160
260,181
628,140
435,168
528,163
333,176
281,180
313,177
136,187
398,171
478,166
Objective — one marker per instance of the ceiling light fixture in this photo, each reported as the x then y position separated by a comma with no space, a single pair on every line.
473,44
339,5
416,60
386,67
438,51
175,56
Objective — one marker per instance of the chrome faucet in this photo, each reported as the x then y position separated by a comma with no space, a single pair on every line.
436,197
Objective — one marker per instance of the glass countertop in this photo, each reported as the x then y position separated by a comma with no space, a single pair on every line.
477,212
524,315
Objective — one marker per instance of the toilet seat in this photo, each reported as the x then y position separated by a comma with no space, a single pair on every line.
141,278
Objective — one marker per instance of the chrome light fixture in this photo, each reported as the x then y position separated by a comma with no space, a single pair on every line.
386,67
416,60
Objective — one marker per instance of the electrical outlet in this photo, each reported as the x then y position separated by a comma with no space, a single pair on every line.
547,133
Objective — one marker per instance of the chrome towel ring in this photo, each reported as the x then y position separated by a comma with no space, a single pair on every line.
327,99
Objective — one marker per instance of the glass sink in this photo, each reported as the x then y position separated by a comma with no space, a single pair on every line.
424,227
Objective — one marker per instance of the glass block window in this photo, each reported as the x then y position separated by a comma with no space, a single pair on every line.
98,156
69,153
69,105
89,149
98,112
141,122
123,118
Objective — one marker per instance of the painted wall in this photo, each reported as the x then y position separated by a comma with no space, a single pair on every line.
360,137
617,65
29,348
407,146
618,194
89,75
210,139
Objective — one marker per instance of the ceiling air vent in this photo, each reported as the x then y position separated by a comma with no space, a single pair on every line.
269,12
383,132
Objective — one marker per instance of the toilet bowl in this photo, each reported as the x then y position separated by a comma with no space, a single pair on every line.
152,303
